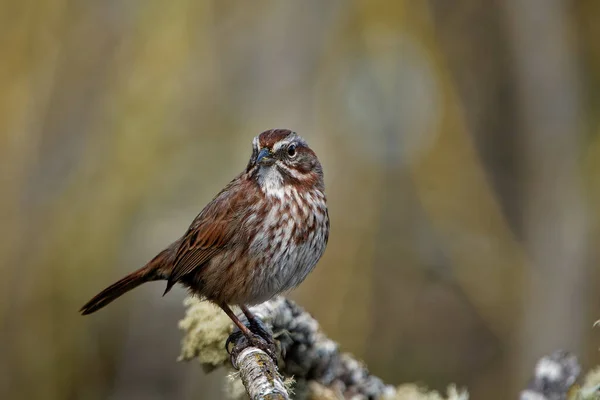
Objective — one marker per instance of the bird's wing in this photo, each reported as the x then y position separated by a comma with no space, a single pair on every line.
212,230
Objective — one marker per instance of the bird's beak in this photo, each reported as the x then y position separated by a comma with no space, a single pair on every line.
263,155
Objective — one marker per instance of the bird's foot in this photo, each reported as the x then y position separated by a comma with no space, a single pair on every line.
258,327
241,342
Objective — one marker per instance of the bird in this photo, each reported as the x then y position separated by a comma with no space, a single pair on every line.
259,237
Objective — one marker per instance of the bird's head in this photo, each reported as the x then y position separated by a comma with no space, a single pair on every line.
280,158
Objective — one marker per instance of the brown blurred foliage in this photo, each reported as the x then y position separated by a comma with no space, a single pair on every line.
461,146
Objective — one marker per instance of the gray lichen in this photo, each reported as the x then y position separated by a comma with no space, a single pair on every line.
308,352
334,375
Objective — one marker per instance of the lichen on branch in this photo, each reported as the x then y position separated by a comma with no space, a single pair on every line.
319,369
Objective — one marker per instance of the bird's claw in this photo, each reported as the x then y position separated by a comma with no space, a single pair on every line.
241,342
257,341
234,338
257,327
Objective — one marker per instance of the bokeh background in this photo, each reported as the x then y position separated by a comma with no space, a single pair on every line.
461,147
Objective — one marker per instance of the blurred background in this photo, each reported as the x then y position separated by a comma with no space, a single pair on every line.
461,147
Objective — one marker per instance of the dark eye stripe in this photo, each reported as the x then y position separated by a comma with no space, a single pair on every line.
286,174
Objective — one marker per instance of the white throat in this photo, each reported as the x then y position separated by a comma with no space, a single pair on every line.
271,182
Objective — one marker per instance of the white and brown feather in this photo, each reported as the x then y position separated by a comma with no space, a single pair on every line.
260,236
265,231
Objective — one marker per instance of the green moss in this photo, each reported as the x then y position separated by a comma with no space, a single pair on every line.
590,390
206,329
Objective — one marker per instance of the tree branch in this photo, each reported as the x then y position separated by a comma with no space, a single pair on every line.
313,360
259,375
322,372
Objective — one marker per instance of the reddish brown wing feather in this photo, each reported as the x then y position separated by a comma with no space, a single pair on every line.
212,229
200,245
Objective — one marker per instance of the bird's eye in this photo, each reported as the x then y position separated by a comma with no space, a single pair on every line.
291,150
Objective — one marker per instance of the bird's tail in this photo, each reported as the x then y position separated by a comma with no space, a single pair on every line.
153,271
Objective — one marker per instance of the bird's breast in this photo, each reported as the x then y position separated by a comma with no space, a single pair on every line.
277,246
290,241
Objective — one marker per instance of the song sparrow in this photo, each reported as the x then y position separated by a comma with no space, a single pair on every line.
260,236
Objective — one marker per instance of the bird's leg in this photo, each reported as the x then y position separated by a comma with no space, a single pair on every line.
257,326
243,328
250,339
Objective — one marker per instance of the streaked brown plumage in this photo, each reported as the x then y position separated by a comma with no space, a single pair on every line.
260,236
